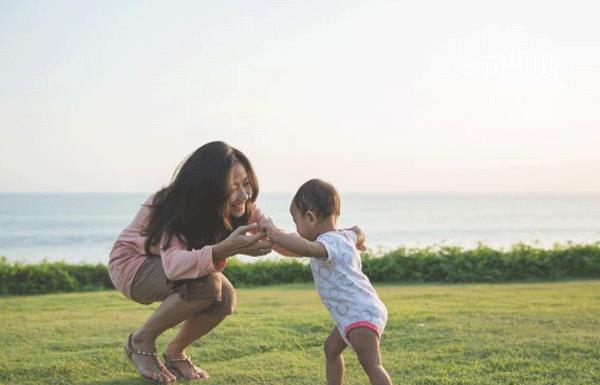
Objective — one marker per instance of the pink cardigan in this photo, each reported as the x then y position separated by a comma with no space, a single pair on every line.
128,254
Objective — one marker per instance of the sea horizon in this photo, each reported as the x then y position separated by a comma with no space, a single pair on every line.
81,227
494,192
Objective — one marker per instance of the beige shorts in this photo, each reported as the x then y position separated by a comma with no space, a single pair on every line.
150,284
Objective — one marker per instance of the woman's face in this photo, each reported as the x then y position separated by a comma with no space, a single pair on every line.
239,191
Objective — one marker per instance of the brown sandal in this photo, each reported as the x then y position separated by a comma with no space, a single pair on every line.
130,351
170,364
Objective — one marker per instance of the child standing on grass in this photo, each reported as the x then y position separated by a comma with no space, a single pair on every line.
358,313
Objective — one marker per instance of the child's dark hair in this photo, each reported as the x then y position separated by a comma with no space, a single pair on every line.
319,197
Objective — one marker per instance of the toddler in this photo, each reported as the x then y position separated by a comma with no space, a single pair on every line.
358,313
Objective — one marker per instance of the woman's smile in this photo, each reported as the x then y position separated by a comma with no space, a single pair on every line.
239,208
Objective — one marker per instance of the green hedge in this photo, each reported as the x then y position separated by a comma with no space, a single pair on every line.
263,273
484,264
430,264
51,277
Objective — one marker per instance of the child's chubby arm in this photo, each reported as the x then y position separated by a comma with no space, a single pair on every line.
292,242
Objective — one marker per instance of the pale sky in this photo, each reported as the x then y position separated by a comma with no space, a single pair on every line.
370,95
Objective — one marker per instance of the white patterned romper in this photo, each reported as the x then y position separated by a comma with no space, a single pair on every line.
344,289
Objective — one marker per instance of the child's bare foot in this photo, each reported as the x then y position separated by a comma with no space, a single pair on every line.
181,364
143,355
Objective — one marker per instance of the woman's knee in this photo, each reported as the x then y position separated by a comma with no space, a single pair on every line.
228,297
207,287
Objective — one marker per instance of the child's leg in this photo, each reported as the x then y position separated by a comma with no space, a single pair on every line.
366,345
334,361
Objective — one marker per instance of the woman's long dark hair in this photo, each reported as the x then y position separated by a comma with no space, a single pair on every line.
192,206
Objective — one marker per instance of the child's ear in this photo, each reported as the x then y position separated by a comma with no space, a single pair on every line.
311,216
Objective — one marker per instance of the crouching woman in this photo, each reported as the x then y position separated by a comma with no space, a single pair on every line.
175,249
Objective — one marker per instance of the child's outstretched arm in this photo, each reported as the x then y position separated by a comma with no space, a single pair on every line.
293,242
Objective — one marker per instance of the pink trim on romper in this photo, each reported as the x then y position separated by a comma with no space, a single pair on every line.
361,324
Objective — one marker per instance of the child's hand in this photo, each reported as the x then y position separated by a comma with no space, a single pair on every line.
267,225
360,238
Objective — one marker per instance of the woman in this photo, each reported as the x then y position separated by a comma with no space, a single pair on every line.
175,250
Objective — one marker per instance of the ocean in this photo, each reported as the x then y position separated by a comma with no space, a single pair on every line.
81,227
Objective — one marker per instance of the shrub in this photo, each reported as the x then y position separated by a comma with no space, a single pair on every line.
430,264
49,277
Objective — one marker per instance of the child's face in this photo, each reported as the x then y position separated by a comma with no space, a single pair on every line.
305,224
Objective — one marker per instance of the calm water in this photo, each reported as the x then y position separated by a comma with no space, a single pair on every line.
83,227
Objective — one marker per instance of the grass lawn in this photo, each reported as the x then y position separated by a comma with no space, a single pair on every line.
526,333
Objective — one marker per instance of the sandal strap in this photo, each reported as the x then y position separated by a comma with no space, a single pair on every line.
160,364
171,362
130,349
186,358
144,353
157,360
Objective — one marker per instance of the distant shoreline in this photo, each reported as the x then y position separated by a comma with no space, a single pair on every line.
82,227
377,251
146,193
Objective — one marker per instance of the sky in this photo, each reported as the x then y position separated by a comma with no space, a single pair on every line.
373,96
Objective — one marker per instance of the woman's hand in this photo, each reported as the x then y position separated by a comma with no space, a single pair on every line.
238,242
267,225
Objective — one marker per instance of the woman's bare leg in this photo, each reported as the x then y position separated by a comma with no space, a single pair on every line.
172,311
198,325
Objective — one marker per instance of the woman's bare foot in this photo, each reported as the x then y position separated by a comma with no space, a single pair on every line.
143,354
181,362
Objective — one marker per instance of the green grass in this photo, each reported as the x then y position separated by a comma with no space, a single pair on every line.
532,333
